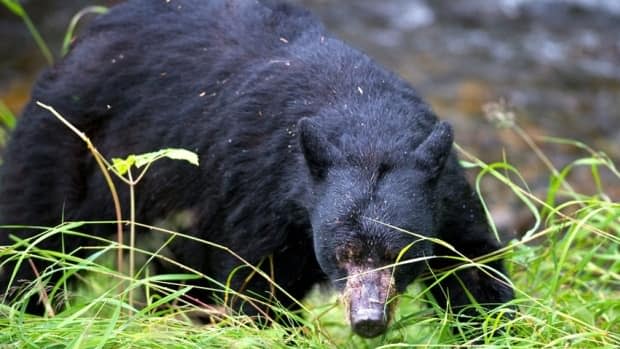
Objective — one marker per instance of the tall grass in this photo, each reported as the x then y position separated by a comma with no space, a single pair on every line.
565,270
566,273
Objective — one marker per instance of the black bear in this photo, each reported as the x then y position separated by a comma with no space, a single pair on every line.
311,154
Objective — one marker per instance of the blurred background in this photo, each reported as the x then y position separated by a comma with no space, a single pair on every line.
555,64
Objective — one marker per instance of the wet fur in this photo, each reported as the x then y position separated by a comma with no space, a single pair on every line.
232,81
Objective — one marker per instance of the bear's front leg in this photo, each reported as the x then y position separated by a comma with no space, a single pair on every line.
470,288
278,280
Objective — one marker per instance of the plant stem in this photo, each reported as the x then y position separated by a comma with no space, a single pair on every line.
132,231
104,170
539,153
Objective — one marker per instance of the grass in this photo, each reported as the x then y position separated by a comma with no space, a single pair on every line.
566,273
565,270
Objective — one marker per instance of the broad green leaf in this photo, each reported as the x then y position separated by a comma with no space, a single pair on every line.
170,153
122,166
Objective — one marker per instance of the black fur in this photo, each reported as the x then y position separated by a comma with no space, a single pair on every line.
305,145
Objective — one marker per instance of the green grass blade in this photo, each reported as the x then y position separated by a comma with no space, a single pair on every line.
69,34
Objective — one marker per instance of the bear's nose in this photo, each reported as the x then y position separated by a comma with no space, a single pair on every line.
367,292
368,323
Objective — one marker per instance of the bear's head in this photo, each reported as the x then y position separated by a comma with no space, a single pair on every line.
372,213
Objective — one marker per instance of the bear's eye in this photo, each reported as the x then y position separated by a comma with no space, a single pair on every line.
383,169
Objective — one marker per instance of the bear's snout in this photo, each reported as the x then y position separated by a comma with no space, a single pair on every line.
367,296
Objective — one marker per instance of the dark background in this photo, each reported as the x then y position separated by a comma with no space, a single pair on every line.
555,62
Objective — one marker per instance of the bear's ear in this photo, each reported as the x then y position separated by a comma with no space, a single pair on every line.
318,151
431,155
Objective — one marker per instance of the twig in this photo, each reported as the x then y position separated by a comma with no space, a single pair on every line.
104,170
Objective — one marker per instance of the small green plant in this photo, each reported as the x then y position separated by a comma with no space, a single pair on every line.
122,168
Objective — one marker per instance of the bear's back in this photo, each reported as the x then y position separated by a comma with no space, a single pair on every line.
162,45
153,74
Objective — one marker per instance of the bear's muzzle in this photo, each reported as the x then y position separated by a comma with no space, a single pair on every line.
367,296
